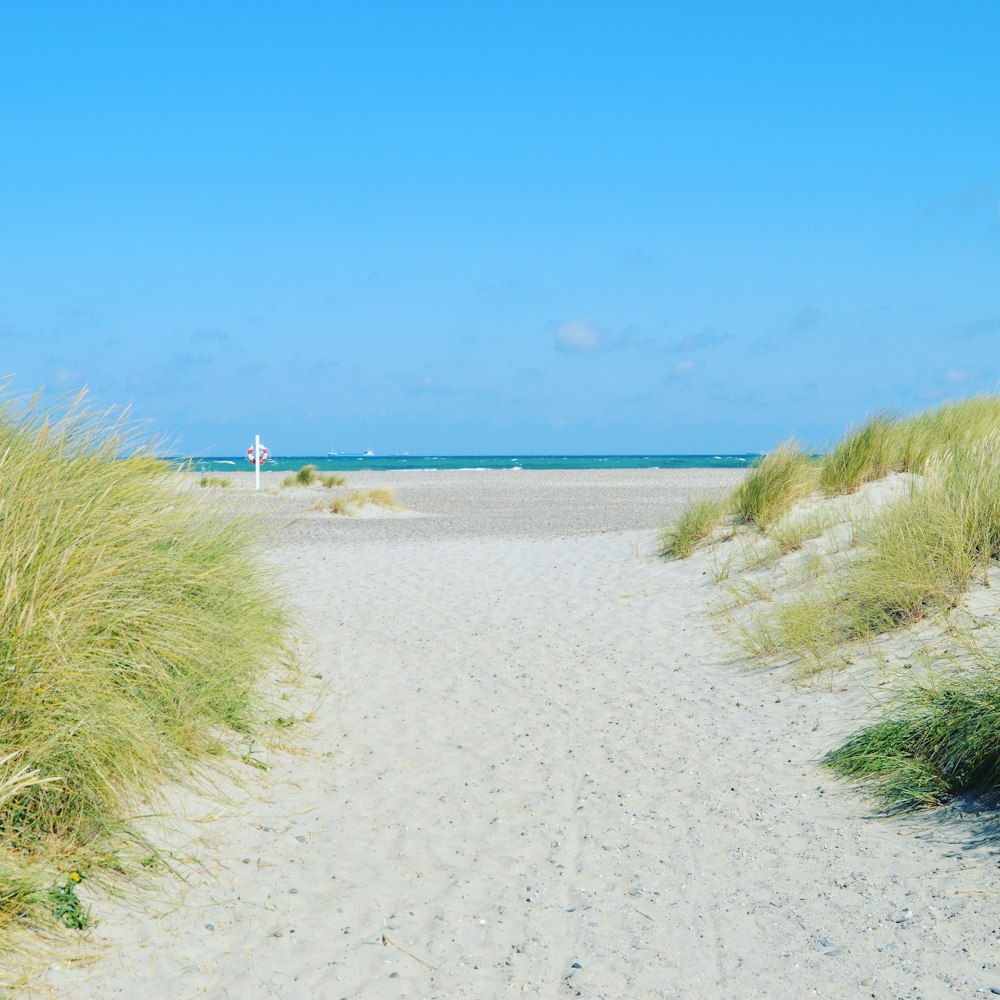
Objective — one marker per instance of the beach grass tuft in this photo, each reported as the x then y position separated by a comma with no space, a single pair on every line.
350,503
770,489
937,739
134,622
696,523
305,476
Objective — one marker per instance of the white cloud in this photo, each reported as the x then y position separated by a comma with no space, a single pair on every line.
960,374
683,368
578,335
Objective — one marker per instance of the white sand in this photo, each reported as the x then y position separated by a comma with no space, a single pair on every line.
537,771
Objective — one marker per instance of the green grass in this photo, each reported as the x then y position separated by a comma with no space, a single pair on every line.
216,482
864,454
134,622
883,444
770,489
928,436
918,557
306,476
696,523
936,740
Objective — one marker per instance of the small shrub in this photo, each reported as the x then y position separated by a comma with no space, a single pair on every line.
808,628
695,523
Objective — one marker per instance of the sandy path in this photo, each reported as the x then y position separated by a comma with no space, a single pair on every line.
534,773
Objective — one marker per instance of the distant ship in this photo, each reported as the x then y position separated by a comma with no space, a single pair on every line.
351,454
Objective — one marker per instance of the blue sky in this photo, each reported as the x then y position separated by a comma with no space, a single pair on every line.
490,228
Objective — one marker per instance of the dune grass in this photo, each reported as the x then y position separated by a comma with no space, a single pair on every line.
871,451
696,522
940,738
308,476
912,559
864,454
134,623
918,557
927,436
349,503
770,489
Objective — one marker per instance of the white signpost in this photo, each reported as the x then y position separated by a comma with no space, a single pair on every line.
258,454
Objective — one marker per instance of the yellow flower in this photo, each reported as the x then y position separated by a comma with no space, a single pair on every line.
75,876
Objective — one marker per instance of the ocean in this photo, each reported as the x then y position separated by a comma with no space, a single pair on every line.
446,463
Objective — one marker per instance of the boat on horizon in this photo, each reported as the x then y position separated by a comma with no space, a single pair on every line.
351,454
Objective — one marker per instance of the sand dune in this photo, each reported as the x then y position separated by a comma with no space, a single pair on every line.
536,769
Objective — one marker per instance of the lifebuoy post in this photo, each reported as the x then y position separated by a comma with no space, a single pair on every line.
258,454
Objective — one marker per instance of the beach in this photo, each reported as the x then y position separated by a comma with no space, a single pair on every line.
528,761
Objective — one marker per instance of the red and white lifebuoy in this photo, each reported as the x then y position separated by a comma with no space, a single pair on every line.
262,455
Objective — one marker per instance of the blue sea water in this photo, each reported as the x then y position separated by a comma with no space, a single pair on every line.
444,463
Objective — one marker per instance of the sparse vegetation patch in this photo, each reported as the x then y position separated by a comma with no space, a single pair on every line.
216,482
350,503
